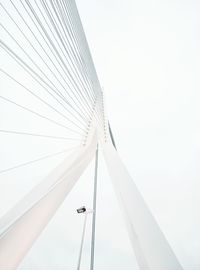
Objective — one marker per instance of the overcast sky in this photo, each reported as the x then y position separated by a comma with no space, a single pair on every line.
148,60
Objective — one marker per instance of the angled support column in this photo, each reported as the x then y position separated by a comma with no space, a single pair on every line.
149,243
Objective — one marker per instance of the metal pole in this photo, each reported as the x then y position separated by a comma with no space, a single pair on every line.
94,211
82,240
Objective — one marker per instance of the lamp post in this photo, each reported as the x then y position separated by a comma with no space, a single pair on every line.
85,211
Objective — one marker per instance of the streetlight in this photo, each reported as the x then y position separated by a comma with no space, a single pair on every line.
85,211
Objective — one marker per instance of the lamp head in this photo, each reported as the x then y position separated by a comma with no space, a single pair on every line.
81,210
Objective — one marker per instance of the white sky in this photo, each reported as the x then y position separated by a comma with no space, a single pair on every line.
147,57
